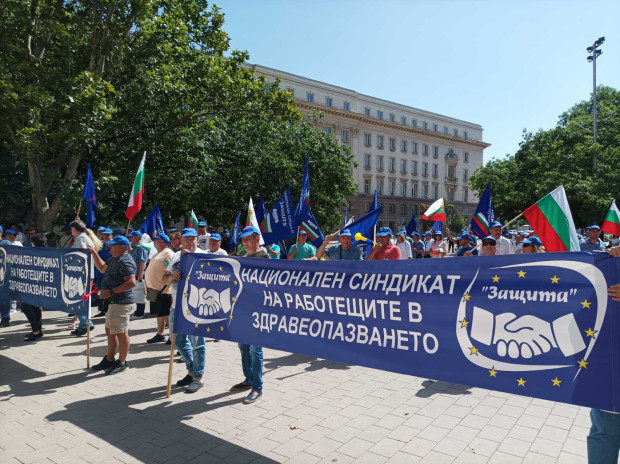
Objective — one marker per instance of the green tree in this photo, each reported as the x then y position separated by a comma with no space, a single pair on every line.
104,80
456,222
563,155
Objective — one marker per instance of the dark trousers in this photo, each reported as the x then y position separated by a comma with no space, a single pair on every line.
33,313
140,309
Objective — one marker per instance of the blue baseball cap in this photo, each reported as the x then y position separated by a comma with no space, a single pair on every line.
189,232
1,229
533,240
118,240
401,232
463,236
490,238
217,237
302,232
384,232
593,227
416,234
495,224
107,231
162,237
101,228
174,229
135,234
117,231
249,230
226,231
202,224
344,233
10,232
427,233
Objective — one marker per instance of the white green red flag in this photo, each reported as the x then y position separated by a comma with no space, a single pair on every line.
252,221
137,191
611,224
193,220
552,221
435,212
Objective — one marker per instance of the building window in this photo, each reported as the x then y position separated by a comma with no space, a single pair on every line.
403,189
379,115
367,111
414,168
465,194
414,123
425,150
451,172
466,157
456,132
328,130
345,135
403,146
328,101
434,127
367,139
435,170
379,141
392,144
403,120
403,208
267,88
392,188
380,187
367,186
425,125
366,207
414,190
291,90
310,97
465,174
392,208
435,152
391,165
391,117
464,134
450,193
445,130
435,192
414,147
346,106
425,169
403,166
425,191
367,161
380,163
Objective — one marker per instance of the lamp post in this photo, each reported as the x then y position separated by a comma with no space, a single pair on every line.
594,53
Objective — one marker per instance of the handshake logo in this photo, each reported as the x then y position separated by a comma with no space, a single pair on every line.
525,336
74,277
208,301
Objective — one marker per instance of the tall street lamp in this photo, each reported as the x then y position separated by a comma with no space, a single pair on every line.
594,52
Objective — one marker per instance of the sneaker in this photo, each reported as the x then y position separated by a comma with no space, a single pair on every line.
99,314
252,397
5,323
185,381
194,386
103,364
116,368
137,316
168,342
32,337
156,339
240,387
78,332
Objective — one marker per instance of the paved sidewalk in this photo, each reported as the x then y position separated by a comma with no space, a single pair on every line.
53,410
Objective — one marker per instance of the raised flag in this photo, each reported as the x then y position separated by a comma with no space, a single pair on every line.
484,215
193,220
261,211
437,228
91,200
611,224
375,201
311,226
365,224
251,220
412,226
233,241
304,198
435,212
137,191
153,224
279,223
551,219
346,216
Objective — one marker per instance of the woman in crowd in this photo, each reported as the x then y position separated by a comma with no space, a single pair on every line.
532,245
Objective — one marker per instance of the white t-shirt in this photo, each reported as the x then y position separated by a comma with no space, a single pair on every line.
203,242
405,249
504,246
218,252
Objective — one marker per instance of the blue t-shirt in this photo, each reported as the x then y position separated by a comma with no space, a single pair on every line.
587,245
274,249
118,269
418,246
139,254
336,253
304,251
461,251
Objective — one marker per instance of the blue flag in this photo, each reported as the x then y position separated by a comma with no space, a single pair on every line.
375,202
346,216
437,228
261,211
484,215
412,226
279,224
154,223
91,200
304,199
233,241
365,225
311,226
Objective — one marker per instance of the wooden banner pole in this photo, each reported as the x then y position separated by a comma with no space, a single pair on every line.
173,337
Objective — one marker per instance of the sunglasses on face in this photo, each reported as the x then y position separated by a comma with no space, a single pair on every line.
488,244
525,245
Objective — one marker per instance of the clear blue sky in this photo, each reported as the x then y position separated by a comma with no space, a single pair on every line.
507,65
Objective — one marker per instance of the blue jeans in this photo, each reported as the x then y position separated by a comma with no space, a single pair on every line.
5,310
604,437
82,325
252,363
194,351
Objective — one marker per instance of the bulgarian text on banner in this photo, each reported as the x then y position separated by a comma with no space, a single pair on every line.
535,325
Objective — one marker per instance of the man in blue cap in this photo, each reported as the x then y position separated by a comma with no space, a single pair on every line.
251,355
504,245
417,247
385,249
203,236
104,253
302,249
428,242
344,251
215,241
158,292
592,242
119,279
140,256
465,246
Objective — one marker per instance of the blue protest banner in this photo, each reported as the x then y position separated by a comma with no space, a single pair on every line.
153,224
52,278
536,325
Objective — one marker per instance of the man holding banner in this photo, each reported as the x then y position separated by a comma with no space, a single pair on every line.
344,251
119,279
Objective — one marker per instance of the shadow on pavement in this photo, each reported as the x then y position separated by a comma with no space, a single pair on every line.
433,387
297,359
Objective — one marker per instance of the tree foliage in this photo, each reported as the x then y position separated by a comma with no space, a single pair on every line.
104,80
562,155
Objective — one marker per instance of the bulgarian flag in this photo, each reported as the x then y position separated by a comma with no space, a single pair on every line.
193,220
552,221
135,197
436,212
611,224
